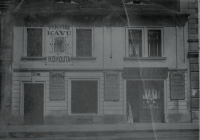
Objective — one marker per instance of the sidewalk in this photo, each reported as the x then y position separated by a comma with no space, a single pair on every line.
101,127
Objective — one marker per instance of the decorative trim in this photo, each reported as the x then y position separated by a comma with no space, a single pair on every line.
33,58
61,69
193,40
83,58
193,54
145,58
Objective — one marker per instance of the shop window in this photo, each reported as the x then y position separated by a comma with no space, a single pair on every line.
135,42
83,42
34,42
154,43
84,97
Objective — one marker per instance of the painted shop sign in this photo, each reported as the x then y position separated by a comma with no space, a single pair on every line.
58,44
146,73
112,86
177,85
57,85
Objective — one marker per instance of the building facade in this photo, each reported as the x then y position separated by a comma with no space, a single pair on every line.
193,57
77,63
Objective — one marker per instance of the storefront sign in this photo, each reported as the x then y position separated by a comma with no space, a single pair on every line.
177,85
145,73
57,85
58,44
112,86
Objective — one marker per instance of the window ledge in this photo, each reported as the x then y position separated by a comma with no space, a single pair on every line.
145,58
83,58
33,58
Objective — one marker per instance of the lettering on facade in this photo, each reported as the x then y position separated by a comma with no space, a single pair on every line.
177,85
159,73
58,26
59,41
57,85
60,59
112,86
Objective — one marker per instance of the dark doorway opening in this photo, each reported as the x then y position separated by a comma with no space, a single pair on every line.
33,103
145,103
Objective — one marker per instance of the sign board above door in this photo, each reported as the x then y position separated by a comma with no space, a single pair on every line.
145,73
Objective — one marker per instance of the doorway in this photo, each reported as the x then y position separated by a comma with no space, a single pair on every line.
33,103
145,101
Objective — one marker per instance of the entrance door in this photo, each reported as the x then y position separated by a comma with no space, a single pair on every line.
146,102
33,103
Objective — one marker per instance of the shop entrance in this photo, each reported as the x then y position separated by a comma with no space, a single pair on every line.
145,104
33,103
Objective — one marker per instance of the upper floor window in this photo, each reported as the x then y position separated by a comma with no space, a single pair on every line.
135,42
144,42
34,42
154,42
84,42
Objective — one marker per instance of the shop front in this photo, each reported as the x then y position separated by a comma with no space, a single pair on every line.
145,94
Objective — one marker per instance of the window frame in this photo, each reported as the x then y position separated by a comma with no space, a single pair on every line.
25,42
162,41
75,45
127,40
145,48
70,95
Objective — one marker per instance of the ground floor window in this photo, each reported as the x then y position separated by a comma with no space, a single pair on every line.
84,97
145,101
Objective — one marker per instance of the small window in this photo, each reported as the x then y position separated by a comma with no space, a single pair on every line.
154,43
135,43
34,42
84,42
84,97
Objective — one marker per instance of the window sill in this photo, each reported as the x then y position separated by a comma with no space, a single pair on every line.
33,58
83,58
145,58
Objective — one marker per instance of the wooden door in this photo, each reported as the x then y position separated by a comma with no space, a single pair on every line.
33,103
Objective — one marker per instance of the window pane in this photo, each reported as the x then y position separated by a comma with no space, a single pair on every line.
154,42
84,97
84,42
34,42
135,43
